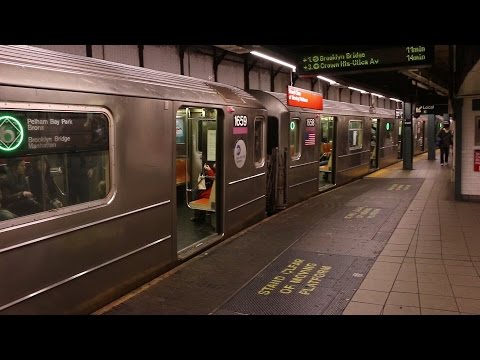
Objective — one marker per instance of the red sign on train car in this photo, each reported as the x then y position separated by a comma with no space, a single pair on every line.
304,98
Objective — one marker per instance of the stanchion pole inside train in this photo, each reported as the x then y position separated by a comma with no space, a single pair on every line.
407,136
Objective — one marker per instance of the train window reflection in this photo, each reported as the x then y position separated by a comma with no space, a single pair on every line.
63,161
295,138
355,134
259,154
388,140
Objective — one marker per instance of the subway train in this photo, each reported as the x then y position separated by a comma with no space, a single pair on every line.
112,174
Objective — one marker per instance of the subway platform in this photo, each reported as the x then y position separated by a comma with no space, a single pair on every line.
393,243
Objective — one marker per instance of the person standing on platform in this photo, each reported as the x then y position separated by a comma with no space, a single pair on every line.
445,139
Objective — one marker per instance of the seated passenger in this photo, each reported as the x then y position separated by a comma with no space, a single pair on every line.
17,196
4,213
209,173
42,185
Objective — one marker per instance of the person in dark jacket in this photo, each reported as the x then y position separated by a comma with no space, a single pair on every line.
445,139
4,213
43,186
17,196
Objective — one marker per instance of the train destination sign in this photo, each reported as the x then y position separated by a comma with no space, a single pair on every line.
304,98
36,132
344,62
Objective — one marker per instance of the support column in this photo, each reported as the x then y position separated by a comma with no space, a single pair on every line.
432,136
457,152
407,137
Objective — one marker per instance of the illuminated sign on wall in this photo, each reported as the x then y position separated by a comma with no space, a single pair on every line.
304,98
366,60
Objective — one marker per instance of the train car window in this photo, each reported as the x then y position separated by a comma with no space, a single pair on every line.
355,134
259,155
52,160
388,139
295,139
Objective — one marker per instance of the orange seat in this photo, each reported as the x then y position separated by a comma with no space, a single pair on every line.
181,169
203,203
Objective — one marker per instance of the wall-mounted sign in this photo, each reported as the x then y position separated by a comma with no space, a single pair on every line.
37,132
352,61
179,131
304,98
476,160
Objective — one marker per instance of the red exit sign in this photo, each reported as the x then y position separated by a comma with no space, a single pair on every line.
304,98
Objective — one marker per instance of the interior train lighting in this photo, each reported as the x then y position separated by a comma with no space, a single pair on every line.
395,100
275,60
377,95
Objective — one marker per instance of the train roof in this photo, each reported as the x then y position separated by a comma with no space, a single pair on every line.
33,67
331,107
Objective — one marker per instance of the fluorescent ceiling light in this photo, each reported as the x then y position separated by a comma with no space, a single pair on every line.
395,100
362,91
420,85
274,60
377,95
332,82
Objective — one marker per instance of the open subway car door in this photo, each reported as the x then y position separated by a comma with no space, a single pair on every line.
220,167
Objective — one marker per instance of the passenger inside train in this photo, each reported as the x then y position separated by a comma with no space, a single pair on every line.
4,213
15,188
204,190
43,186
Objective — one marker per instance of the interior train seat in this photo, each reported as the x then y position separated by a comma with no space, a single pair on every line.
205,204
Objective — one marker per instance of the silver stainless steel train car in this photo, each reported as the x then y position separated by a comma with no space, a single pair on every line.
313,150
91,205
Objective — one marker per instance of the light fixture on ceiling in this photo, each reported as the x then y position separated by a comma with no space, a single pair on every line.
393,99
275,60
330,81
420,85
234,48
377,95
362,91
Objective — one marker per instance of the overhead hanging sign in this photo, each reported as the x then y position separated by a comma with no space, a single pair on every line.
351,61
437,109
304,98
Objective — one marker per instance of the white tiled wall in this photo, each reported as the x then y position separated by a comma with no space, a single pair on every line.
231,73
125,54
260,79
281,82
334,93
470,178
199,66
162,57
345,95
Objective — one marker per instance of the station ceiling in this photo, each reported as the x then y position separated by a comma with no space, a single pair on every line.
425,85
